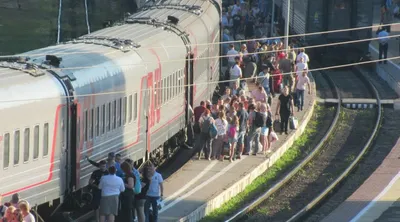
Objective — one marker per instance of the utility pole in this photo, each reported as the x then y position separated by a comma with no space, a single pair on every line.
287,25
273,17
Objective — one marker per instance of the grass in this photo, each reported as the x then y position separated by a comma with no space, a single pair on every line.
261,183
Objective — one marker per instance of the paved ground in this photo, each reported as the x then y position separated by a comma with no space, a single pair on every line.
374,198
199,181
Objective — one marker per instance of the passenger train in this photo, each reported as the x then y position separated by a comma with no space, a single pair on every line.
125,88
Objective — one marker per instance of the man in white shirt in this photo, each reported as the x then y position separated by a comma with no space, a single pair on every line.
302,81
235,72
232,53
111,186
300,66
303,55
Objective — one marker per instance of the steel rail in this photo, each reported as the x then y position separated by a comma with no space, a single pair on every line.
290,175
309,207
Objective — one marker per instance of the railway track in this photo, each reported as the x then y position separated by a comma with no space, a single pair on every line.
385,140
338,152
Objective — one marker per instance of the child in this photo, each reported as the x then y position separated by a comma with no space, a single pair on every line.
233,128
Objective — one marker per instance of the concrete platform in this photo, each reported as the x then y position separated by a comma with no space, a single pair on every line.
389,72
201,186
378,194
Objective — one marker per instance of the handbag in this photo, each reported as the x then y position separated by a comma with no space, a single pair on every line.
293,122
277,125
138,185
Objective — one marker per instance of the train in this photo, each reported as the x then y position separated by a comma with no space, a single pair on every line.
124,89
311,16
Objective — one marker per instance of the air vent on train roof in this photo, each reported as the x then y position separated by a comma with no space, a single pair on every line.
172,19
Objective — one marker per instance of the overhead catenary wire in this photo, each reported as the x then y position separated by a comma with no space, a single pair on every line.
200,83
143,64
224,42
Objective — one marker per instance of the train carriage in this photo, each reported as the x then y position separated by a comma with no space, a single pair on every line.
122,89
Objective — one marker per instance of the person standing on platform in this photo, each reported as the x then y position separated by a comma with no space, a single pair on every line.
302,81
243,124
383,44
111,186
231,54
154,193
198,111
94,185
205,140
284,108
235,72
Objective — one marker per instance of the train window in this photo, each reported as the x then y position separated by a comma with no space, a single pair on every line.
124,111
103,119
46,139
120,112
130,104
86,125
163,91
16,147
26,144
97,125
169,88
91,123
108,117
135,107
114,114
159,92
36,142
6,157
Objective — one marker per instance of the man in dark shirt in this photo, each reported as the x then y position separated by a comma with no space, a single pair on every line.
197,114
243,121
94,182
286,67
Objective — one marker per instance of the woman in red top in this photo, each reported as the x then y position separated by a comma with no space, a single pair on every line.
277,79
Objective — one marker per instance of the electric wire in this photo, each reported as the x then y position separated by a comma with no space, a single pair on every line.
223,42
196,84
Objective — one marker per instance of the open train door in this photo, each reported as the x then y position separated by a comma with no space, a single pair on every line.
189,93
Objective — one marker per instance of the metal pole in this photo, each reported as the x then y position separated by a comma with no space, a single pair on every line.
273,17
287,25
59,22
87,17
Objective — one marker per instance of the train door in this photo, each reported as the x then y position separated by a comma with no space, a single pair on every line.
189,97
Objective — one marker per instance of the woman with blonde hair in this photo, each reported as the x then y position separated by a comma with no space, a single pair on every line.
9,215
266,130
17,216
24,206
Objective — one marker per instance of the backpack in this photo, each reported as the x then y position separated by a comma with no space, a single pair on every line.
232,132
213,131
137,189
260,120
205,127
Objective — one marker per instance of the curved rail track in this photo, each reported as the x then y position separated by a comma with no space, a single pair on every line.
328,164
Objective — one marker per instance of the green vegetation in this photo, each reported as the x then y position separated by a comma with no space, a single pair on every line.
34,25
295,153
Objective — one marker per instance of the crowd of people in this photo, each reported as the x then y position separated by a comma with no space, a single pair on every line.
242,120
16,210
122,193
